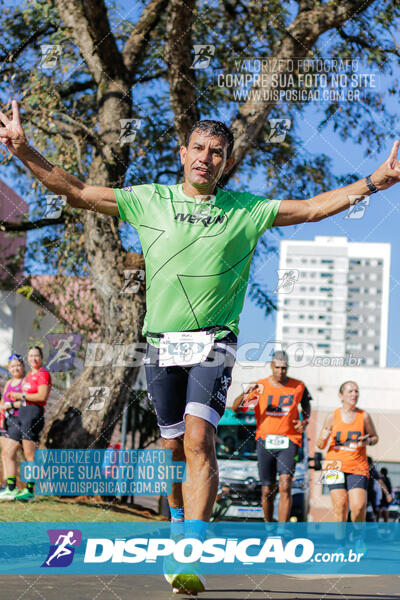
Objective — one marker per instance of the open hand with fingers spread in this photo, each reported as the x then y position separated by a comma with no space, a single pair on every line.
12,135
389,172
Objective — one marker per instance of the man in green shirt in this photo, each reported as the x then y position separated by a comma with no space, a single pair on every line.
198,242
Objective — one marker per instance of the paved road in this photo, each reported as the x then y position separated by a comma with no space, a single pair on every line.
220,587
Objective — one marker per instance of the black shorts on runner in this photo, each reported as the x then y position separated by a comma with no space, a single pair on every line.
27,425
199,390
271,462
351,481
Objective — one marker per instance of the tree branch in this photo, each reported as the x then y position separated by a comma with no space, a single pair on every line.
297,42
29,225
90,27
181,76
138,39
148,77
77,86
11,56
353,39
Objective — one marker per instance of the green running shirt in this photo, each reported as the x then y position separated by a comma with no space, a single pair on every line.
197,255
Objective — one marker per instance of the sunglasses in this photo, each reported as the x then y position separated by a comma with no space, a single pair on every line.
17,356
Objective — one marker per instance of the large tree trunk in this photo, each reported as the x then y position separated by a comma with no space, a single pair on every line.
72,424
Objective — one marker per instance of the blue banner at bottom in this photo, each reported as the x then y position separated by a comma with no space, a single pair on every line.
229,547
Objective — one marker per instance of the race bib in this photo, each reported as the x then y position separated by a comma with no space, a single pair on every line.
333,476
185,348
276,442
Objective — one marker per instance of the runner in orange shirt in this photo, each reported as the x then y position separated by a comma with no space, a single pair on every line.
349,430
279,431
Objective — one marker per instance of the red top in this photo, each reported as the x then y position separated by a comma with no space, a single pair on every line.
32,382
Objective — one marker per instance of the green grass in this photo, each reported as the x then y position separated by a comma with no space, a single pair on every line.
73,510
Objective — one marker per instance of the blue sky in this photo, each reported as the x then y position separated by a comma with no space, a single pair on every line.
380,223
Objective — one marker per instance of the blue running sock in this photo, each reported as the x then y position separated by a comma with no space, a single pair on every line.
177,522
195,528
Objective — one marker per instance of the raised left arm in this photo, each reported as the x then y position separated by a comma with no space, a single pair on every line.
293,212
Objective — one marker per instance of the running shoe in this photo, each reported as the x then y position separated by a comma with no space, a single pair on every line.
360,546
25,495
188,583
8,494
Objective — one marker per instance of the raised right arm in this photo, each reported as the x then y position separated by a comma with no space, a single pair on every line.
78,194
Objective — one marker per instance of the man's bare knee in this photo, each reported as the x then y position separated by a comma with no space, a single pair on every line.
199,438
268,491
176,446
285,484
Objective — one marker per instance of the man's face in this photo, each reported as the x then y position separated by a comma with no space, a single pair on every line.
204,160
279,369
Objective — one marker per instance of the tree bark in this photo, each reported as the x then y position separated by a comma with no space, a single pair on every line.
71,424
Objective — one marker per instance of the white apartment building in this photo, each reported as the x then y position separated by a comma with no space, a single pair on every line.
333,301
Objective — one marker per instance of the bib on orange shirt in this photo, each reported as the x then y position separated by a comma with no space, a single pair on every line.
343,444
277,407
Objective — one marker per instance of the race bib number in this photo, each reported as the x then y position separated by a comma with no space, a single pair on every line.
333,476
185,348
276,442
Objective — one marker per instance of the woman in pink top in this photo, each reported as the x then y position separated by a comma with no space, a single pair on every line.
9,408
30,421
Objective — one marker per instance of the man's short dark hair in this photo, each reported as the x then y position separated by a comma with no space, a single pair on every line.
280,355
213,128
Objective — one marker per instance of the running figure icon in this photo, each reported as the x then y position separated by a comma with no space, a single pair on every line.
62,542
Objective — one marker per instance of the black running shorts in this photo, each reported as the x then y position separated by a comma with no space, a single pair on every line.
271,462
27,425
199,390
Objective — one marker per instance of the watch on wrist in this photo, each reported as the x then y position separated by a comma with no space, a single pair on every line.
372,188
